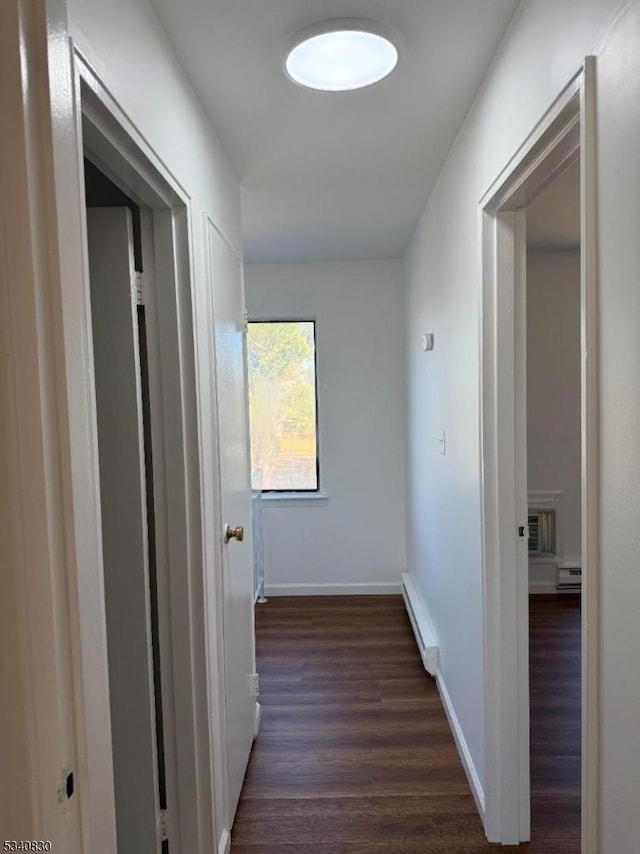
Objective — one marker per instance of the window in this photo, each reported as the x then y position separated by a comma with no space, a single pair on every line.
542,532
283,408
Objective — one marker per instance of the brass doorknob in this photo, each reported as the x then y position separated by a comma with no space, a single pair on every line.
233,533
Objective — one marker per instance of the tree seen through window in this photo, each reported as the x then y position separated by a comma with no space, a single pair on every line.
282,405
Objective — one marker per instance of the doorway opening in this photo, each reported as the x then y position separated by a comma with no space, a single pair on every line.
553,476
125,449
564,135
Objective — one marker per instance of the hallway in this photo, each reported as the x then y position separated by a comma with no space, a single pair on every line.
355,754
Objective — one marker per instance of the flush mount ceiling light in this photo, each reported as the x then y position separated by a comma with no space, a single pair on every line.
340,55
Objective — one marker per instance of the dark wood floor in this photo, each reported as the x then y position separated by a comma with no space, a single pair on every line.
555,697
355,755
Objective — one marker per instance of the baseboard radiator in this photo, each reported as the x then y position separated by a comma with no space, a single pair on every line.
569,579
422,628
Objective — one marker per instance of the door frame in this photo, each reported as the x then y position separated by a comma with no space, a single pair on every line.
178,364
38,709
566,131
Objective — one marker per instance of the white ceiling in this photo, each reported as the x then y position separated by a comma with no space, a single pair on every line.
333,175
553,218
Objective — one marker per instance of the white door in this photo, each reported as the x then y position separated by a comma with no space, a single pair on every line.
235,499
124,527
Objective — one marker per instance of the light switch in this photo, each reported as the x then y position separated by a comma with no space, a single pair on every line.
442,443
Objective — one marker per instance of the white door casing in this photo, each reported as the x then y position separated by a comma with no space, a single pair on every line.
522,510
185,484
225,271
565,132
124,526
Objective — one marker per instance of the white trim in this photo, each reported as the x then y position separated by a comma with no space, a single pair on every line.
292,499
225,842
522,509
565,132
548,590
545,500
465,755
590,419
512,187
543,574
506,706
382,588
570,563
545,588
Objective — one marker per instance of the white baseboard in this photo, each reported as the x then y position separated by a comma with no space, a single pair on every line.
225,842
367,589
545,587
543,575
467,762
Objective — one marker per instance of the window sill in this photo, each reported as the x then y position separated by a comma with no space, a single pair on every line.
285,499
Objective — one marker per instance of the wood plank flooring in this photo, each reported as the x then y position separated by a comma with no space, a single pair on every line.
355,755
555,698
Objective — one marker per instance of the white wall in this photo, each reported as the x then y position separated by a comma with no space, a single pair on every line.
126,45
619,262
553,390
123,42
546,43
355,540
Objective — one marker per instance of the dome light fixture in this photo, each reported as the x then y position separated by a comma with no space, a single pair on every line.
341,55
